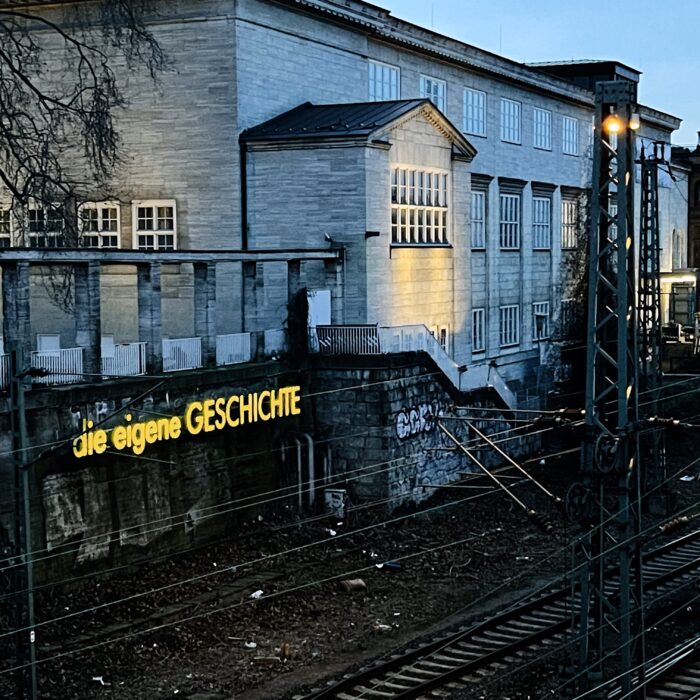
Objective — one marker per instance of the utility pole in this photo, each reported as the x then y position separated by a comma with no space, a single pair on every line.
23,565
649,303
607,499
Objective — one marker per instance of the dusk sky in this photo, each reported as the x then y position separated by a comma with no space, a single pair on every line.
659,38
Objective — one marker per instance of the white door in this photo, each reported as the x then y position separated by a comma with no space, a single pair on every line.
319,307
48,342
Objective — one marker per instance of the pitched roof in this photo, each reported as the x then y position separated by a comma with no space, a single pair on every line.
353,121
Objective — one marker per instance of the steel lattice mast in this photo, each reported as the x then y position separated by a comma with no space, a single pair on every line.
608,498
649,304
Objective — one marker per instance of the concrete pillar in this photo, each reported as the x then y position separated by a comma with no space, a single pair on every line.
150,322
87,315
293,278
333,270
251,311
205,310
15,307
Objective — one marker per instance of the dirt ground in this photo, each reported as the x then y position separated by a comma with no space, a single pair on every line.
218,641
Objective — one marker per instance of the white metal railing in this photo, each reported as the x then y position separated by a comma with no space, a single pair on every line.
275,341
375,340
4,372
233,348
64,366
128,359
345,340
181,353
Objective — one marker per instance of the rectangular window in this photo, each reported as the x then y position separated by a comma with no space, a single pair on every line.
478,330
418,207
570,136
510,121
568,315
5,228
509,331
478,220
475,112
612,231
383,82
99,224
569,223
155,225
45,227
434,90
510,221
542,137
541,223
540,320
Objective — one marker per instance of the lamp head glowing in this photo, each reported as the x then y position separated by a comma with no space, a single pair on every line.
634,121
612,124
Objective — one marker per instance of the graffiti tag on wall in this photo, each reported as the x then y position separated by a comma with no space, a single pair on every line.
418,419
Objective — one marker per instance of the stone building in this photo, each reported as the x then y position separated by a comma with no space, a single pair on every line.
508,145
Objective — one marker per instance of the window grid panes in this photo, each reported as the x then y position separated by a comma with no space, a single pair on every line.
155,227
5,228
570,136
383,82
418,207
99,225
478,220
542,137
569,223
510,121
45,228
541,223
510,221
478,330
509,325
540,320
433,89
475,112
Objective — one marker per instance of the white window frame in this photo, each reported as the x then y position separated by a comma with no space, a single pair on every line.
511,121
479,330
392,83
509,325
474,112
100,234
569,223
434,89
139,233
541,223
6,236
420,206
542,129
509,220
478,220
570,136
53,238
541,309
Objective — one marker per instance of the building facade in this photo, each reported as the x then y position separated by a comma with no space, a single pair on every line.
465,215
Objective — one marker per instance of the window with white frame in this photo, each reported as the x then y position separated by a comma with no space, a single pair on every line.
5,228
45,227
99,224
510,121
541,223
418,207
540,320
474,112
478,220
510,222
155,225
383,82
509,331
542,121
434,90
570,136
569,223
478,330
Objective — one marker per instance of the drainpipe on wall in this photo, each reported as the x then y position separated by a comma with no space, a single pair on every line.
244,191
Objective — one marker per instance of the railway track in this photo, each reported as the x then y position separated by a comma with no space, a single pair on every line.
466,657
